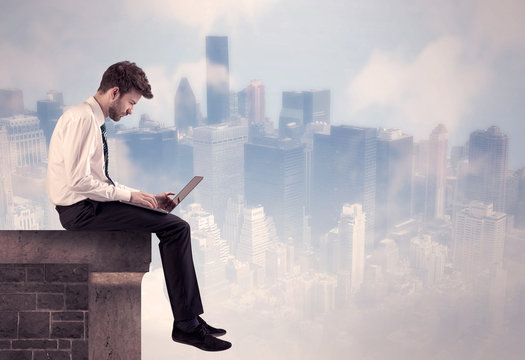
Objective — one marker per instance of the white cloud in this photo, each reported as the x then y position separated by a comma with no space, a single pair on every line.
202,14
157,318
164,82
499,24
436,86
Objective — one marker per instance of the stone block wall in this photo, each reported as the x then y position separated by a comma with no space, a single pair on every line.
71,295
44,311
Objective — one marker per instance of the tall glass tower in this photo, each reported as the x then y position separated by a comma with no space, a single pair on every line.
394,179
343,171
436,174
488,156
274,171
302,108
217,79
186,110
218,155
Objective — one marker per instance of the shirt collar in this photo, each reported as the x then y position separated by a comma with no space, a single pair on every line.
97,110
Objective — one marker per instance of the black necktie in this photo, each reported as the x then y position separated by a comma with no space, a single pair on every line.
106,156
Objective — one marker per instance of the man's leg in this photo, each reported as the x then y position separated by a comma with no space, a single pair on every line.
177,261
175,245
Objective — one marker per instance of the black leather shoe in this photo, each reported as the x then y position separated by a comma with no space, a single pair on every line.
213,331
200,338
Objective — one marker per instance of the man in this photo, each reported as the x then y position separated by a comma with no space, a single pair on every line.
86,198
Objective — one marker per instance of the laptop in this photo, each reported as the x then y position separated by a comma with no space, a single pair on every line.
178,198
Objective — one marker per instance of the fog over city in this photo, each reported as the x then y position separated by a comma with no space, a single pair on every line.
364,189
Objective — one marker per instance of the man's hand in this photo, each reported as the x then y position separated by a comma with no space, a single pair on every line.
165,202
143,198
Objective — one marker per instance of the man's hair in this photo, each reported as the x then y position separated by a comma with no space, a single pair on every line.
126,76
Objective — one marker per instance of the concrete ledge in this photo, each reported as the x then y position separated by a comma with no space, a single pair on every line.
71,295
106,251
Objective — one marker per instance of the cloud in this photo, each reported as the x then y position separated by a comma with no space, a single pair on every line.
164,82
157,318
202,14
438,85
499,25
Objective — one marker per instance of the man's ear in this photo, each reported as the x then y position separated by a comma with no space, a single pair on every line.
114,91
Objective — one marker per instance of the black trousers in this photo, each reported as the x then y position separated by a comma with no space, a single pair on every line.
175,244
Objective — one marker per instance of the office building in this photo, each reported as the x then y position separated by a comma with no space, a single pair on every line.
187,114
343,171
218,155
428,258
488,158
515,197
146,146
252,103
257,237
27,143
210,251
275,173
300,108
436,174
11,102
217,79
6,186
352,224
316,106
393,179
478,236
49,111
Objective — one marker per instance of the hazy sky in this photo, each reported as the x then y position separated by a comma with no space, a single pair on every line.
407,64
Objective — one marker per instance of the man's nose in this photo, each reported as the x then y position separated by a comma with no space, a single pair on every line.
130,110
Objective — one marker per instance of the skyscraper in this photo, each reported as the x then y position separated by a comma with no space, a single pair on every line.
148,142
488,157
210,250
394,179
428,258
343,171
6,186
302,108
478,235
275,171
49,111
352,243
436,175
252,103
317,106
11,102
291,118
218,155
26,140
217,79
257,236
186,109
515,197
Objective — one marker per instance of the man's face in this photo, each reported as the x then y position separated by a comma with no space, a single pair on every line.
122,105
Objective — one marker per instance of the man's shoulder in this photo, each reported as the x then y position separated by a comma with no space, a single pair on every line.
78,112
80,109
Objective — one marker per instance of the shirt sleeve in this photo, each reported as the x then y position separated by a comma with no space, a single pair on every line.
79,139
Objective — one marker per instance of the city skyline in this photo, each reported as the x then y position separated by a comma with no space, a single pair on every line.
380,62
406,83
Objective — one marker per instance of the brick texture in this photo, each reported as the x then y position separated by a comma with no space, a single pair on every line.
8,325
43,311
16,355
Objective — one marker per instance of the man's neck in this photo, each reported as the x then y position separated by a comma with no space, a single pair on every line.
102,103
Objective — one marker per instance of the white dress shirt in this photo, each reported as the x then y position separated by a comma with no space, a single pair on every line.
75,169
